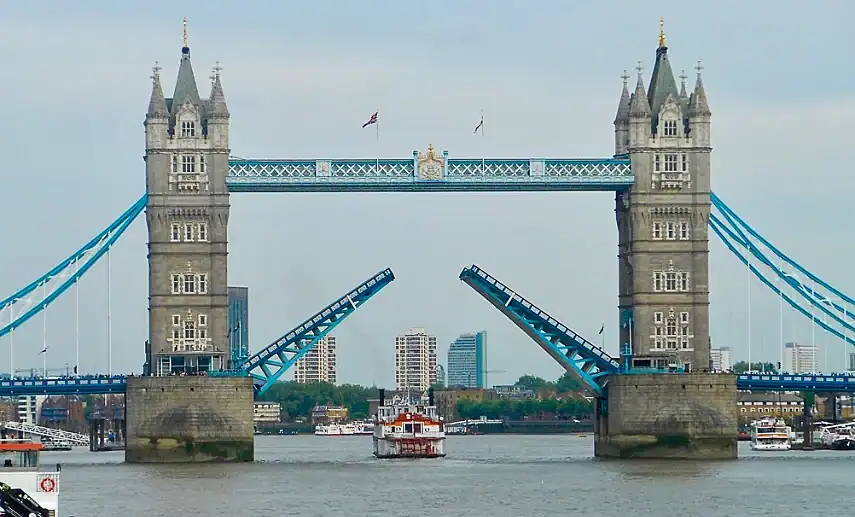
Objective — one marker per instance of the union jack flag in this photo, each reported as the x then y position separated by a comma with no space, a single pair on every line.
372,120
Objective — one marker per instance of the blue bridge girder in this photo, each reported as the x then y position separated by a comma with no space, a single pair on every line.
81,385
430,173
267,365
576,354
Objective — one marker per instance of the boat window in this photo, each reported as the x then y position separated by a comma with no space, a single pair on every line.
408,428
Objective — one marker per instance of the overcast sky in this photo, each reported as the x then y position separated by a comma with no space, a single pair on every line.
300,79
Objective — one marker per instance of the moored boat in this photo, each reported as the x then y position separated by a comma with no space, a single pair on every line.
770,434
838,437
25,489
404,429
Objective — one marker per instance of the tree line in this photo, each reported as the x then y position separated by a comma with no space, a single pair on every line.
297,400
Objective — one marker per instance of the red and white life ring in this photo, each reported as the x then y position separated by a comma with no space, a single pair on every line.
47,485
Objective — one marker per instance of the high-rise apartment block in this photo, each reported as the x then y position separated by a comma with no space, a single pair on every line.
721,359
415,361
800,358
466,360
318,365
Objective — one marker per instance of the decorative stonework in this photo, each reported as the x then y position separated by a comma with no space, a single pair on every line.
430,166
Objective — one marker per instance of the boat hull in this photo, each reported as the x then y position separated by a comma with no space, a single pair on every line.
390,447
783,446
844,444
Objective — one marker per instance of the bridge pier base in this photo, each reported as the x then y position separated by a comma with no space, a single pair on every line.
189,419
668,416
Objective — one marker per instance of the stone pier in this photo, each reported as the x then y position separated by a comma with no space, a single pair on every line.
668,416
180,419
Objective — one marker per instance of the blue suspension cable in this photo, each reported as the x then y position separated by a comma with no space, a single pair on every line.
726,209
718,231
133,211
810,296
130,216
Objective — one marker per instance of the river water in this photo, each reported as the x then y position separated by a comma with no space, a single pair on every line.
483,476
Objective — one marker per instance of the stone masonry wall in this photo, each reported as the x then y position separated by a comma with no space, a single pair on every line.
669,416
189,419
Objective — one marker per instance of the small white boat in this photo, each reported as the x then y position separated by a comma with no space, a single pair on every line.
770,434
25,489
335,429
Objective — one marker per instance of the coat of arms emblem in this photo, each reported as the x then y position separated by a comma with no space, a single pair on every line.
431,166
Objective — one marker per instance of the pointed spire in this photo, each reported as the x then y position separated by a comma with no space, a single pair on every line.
662,82
638,106
623,105
185,84
683,77
698,104
217,107
157,104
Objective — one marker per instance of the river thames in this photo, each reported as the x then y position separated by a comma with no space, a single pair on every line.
493,475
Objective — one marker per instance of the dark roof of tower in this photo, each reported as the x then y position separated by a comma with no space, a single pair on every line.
157,104
662,82
623,105
638,106
185,84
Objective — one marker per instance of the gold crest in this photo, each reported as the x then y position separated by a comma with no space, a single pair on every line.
431,166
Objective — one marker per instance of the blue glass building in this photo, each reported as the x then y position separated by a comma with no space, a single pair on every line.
238,325
467,359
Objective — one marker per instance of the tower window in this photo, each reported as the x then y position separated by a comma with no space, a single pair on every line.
189,330
202,164
188,164
175,164
685,163
202,232
657,230
189,284
203,287
203,320
684,230
188,232
176,284
175,235
670,234
670,128
176,320
188,128
670,163
657,163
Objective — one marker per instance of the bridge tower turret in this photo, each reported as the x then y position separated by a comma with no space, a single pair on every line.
187,153
662,221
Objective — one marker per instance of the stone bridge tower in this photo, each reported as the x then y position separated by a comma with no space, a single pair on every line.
662,221
187,153
172,417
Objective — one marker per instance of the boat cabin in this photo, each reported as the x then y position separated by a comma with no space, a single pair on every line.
20,454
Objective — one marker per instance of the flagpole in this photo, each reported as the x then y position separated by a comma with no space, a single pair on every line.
482,123
377,127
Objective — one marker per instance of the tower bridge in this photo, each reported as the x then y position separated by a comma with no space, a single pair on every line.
660,173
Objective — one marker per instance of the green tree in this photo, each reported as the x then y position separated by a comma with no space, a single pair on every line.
742,367
568,383
533,382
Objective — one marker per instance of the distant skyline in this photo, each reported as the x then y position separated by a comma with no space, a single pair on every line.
778,76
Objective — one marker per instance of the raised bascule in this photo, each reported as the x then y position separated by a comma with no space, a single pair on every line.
659,399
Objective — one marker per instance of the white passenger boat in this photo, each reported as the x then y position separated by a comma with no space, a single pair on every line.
335,429
404,429
770,434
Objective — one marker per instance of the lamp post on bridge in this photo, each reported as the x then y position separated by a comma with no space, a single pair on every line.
830,303
798,279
